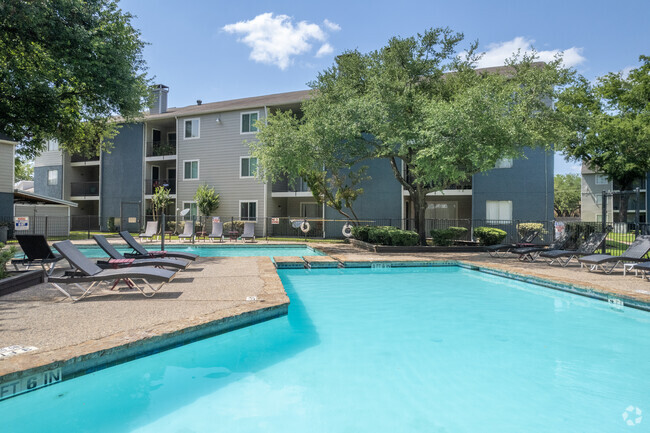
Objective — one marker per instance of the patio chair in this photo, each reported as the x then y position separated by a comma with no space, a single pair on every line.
88,272
500,250
140,252
188,231
217,231
249,232
588,247
530,254
150,231
607,263
117,259
36,251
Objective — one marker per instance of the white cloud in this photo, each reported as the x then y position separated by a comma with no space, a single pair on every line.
625,72
276,40
497,53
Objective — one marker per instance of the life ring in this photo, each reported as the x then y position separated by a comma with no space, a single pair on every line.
347,230
305,227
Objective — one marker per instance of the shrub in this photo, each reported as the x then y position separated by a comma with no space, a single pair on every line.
235,225
6,254
445,237
111,224
404,238
524,229
379,235
385,235
361,233
489,235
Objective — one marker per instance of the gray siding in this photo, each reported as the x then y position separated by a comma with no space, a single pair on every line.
528,184
121,172
40,182
6,167
6,206
218,150
46,158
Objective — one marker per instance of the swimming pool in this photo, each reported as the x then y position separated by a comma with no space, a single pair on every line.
378,350
218,250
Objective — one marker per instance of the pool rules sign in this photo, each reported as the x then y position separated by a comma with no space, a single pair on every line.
21,223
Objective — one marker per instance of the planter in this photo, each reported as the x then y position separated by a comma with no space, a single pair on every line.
21,280
417,249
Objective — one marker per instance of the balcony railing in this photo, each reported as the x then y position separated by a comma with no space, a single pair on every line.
161,148
286,186
150,185
83,158
84,189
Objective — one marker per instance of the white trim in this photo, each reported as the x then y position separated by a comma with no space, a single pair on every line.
256,209
257,170
291,194
241,121
198,128
198,168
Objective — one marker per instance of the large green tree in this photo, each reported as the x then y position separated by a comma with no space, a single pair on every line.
610,126
66,67
421,105
567,195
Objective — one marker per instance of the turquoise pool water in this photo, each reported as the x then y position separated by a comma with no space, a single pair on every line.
220,251
362,350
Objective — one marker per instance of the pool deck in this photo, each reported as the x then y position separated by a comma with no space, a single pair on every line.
214,295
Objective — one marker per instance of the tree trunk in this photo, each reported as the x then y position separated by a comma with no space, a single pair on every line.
622,208
420,205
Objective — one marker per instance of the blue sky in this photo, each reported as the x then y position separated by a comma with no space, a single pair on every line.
216,50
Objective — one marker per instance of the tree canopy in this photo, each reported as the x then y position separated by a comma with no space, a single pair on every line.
610,125
66,67
419,102
567,195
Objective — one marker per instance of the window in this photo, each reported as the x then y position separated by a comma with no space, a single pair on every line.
248,122
599,200
248,167
498,210
504,163
192,128
52,145
190,170
53,177
192,207
247,210
601,179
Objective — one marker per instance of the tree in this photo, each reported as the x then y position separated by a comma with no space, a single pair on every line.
610,126
23,170
206,200
159,201
420,105
567,195
67,67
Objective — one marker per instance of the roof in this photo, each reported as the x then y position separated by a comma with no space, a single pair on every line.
235,104
37,198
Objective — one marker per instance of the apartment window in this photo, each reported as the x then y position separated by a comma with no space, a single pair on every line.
52,145
52,177
601,179
248,210
248,122
248,167
599,200
498,210
192,128
194,210
504,163
190,170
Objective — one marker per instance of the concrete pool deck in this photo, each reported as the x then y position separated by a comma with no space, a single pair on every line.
214,295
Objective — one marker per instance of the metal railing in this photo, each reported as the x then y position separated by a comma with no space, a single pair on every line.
150,185
286,186
160,148
84,189
83,158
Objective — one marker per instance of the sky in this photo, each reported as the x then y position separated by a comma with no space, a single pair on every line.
220,50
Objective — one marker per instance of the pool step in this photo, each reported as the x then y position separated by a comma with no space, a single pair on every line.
289,262
318,262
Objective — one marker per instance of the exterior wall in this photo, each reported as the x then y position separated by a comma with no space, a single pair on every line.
121,174
58,223
528,184
6,167
590,209
218,149
6,206
40,181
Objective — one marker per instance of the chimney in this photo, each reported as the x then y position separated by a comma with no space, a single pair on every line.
159,102
199,102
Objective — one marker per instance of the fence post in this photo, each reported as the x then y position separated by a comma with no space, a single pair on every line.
637,214
163,226
604,220
45,227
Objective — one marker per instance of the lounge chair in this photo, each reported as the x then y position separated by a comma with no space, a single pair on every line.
140,252
188,231
150,231
607,263
117,259
500,250
249,232
217,231
588,247
530,254
88,272
36,252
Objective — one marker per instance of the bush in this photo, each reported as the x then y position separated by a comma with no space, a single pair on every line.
405,238
111,224
385,236
489,235
379,235
235,225
445,237
524,229
360,232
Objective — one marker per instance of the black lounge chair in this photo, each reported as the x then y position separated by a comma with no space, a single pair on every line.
530,254
500,250
634,253
36,252
217,231
249,232
588,247
188,231
117,259
140,252
88,272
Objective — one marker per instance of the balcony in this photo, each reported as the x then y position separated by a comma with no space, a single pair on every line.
82,190
83,160
150,185
284,188
161,150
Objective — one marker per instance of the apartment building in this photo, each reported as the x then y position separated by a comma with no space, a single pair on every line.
183,148
7,152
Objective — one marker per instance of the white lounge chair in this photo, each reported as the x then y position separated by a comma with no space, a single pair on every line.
249,232
150,231
217,231
188,231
